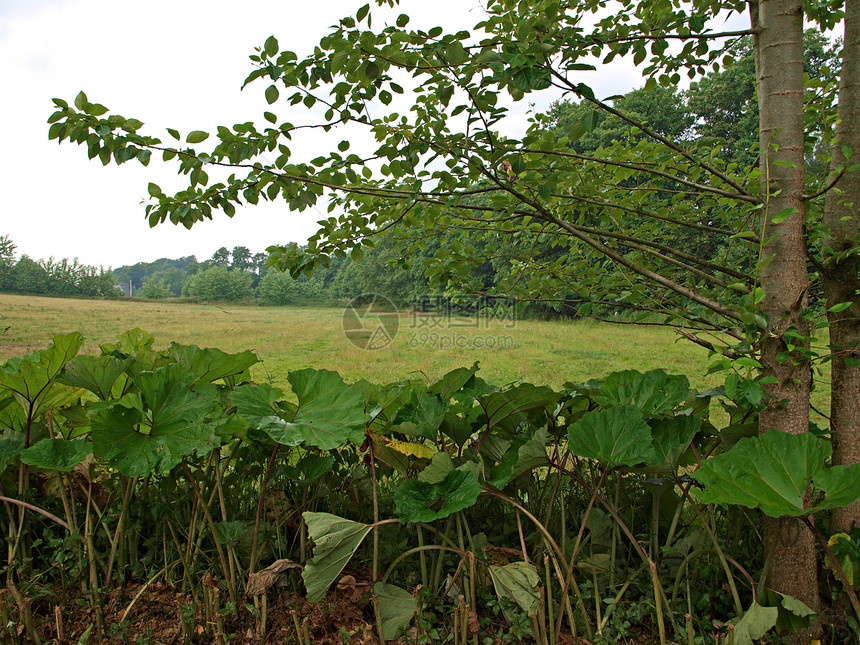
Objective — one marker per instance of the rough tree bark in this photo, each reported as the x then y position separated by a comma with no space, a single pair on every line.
839,273
784,279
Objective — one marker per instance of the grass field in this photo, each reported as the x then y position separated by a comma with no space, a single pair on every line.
292,338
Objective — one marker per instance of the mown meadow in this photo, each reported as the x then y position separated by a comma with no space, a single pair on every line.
290,338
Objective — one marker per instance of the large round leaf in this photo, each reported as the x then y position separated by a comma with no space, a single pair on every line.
419,501
616,436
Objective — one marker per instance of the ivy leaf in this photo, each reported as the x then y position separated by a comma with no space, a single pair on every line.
335,541
617,436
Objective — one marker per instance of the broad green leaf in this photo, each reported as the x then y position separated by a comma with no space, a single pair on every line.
505,404
453,381
31,379
418,501
422,415
841,485
335,541
654,393
210,364
9,450
524,454
617,436
94,373
168,421
397,607
329,412
309,468
756,622
794,605
672,437
518,582
771,472
437,470
61,455
259,406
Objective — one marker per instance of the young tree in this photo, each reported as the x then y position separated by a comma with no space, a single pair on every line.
447,160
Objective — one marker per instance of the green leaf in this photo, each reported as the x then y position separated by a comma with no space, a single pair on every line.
438,469
589,121
422,415
617,436
397,607
165,423
95,373
453,381
329,412
196,136
756,622
841,485
518,582
60,455
271,46
211,364
654,392
335,541
272,94
258,405
309,468
418,501
772,472
524,454
672,437
842,306
513,402
9,451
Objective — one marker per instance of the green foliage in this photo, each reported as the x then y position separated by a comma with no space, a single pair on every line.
217,283
335,540
773,472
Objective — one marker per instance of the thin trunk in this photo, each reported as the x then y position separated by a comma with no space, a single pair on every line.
839,274
779,60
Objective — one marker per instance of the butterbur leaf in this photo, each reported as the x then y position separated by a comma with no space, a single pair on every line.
437,470
167,421
423,413
330,412
524,454
61,455
654,393
397,607
9,450
841,485
259,406
500,406
756,622
210,364
772,472
94,373
418,501
518,582
310,468
617,436
671,437
335,541
453,381
30,379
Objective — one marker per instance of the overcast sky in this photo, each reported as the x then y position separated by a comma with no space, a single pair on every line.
169,63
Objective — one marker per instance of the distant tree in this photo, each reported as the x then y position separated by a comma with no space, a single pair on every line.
7,262
221,257
29,276
241,258
155,287
218,283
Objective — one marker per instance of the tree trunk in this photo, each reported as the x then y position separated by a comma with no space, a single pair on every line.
839,275
784,279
